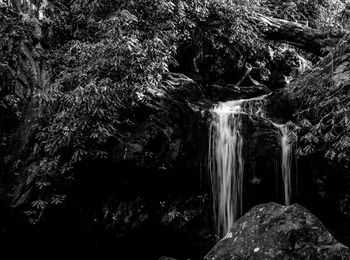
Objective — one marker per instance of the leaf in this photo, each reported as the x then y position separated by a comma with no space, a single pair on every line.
337,145
318,128
309,149
173,214
78,155
310,138
39,204
329,137
58,199
345,142
29,212
42,184
299,152
330,154
342,156
305,123
33,221
346,121
30,179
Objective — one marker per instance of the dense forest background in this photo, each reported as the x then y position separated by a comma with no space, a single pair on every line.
104,116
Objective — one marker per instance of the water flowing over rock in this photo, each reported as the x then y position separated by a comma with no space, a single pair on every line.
286,162
272,231
226,162
226,157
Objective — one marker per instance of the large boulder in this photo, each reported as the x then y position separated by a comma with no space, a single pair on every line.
272,231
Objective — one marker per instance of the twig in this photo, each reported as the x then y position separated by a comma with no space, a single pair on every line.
246,74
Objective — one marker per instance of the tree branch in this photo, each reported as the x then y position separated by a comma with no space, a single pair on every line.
296,34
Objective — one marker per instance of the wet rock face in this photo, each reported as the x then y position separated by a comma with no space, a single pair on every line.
262,162
272,231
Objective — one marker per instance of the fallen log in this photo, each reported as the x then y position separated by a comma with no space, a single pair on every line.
296,34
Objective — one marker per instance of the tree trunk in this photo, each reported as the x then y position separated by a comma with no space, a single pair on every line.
296,34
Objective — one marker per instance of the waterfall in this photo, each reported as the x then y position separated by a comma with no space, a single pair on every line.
226,162
286,161
225,159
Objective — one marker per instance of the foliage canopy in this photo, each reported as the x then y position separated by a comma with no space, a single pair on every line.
107,58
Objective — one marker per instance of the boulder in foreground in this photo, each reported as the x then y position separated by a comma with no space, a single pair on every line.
273,231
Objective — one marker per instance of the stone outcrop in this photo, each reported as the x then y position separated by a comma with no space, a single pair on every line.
272,231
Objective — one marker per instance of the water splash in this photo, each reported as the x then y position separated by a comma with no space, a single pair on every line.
225,159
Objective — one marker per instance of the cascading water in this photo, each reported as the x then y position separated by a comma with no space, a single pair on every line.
225,159
226,162
286,162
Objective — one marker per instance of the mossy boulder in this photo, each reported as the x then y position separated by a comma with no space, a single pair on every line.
273,231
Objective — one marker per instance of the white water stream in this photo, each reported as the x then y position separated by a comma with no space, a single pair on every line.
226,162
286,162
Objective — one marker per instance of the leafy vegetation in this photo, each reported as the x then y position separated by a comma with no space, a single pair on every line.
108,58
324,108
319,14
96,84
10,101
